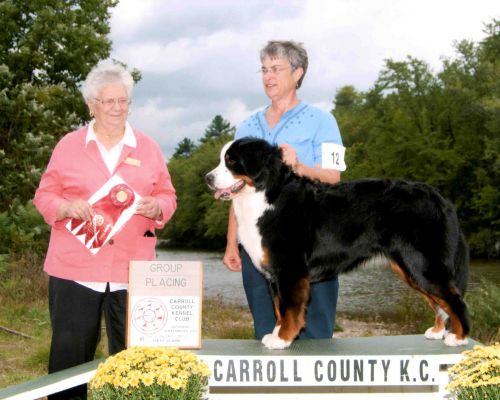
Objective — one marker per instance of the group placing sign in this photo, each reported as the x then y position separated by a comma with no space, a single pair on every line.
164,306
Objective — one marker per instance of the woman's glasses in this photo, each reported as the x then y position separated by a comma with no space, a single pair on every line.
109,103
273,70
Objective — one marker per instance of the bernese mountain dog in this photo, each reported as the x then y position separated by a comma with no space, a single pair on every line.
299,231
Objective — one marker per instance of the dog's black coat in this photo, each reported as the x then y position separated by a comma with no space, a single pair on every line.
316,231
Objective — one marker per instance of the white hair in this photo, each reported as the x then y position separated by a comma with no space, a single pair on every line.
104,73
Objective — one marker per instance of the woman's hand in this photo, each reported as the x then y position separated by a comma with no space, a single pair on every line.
232,258
149,207
289,156
78,209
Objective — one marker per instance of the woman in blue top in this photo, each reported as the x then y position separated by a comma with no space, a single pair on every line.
312,146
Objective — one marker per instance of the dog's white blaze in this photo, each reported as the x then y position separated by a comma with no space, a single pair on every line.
248,208
222,176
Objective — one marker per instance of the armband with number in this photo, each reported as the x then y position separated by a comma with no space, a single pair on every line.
332,156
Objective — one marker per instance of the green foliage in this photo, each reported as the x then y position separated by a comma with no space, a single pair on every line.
484,305
218,128
199,220
46,48
23,230
441,129
185,148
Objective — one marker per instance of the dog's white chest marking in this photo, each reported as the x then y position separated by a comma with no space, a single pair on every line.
248,208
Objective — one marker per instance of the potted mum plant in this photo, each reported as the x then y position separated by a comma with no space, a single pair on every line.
150,373
477,375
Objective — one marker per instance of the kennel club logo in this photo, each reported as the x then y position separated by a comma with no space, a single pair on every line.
149,316
326,371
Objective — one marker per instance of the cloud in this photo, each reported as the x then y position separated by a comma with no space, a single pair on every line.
199,58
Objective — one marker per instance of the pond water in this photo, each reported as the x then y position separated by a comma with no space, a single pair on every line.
369,290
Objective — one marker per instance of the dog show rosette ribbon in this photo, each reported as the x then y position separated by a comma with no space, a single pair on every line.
113,204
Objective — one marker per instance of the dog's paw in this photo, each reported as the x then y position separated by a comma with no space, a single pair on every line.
452,340
435,335
274,342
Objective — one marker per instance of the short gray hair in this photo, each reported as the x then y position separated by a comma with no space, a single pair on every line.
294,52
104,73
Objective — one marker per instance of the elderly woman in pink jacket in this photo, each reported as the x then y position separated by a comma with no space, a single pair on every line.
87,262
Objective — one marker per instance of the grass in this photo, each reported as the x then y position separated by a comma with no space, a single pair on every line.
23,308
236,320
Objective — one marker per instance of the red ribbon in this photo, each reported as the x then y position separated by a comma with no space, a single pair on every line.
106,212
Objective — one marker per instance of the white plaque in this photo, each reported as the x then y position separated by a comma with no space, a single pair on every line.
164,304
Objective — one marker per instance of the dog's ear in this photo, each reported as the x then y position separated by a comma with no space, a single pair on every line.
275,158
271,164
254,155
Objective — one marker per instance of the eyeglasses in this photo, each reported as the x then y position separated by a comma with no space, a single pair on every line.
108,103
273,70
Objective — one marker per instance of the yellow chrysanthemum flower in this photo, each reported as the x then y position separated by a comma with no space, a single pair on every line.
176,383
477,375
149,370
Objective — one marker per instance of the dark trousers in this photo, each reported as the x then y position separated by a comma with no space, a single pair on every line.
75,315
320,314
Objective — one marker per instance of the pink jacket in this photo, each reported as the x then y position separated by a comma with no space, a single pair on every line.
77,171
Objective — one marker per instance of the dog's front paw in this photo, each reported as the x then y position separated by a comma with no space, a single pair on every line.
452,340
274,342
436,335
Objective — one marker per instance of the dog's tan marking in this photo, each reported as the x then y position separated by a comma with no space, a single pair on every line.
245,179
402,275
455,290
264,262
277,312
439,324
294,319
455,324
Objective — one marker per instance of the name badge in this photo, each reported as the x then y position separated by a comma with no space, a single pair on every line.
332,156
132,161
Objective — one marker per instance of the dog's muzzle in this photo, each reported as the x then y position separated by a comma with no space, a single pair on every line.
224,193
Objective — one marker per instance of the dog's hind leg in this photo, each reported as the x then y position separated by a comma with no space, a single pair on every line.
446,303
290,308
451,301
438,331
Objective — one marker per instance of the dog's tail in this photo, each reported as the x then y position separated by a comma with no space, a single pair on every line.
456,301
462,264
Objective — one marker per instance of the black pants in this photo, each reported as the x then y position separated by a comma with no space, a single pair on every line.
75,315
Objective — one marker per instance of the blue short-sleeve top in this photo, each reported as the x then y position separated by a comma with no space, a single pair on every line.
304,127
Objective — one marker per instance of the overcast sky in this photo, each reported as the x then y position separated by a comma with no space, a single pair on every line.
199,58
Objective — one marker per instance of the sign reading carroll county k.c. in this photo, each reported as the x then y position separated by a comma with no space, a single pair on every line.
323,370
164,304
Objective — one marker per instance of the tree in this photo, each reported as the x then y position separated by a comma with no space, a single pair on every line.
184,148
353,115
200,220
471,84
442,129
219,127
46,48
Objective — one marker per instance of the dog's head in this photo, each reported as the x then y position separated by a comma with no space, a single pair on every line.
245,165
